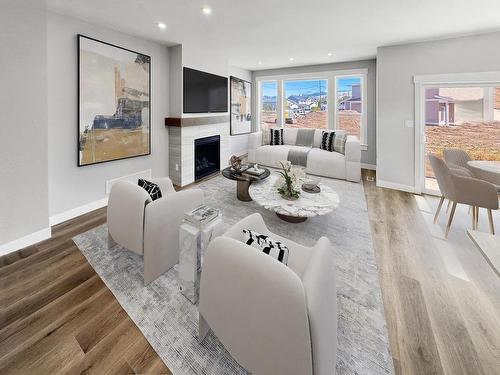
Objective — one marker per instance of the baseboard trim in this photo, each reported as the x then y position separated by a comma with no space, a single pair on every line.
25,241
77,211
371,167
395,186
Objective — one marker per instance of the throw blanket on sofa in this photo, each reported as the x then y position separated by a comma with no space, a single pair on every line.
298,156
305,137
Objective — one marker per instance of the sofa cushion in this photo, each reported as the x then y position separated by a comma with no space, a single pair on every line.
326,163
327,139
289,136
276,137
266,244
272,155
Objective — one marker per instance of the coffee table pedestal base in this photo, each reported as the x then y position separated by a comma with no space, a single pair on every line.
242,190
291,219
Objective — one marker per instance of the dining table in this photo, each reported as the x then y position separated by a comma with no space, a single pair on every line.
488,170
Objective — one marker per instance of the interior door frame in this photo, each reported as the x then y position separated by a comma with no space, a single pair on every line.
421,82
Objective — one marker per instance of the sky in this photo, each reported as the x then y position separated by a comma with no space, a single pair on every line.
306,87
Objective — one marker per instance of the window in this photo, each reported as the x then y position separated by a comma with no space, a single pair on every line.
268,101
302,101
349,107
306,103
465,118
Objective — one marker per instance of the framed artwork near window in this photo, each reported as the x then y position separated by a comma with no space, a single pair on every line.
241,106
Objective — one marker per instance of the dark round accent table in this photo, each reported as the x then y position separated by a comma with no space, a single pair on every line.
243,181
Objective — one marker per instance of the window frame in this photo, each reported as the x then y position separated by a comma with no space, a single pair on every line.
331,77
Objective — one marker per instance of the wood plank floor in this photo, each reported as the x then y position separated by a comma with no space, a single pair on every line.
57,316
440,296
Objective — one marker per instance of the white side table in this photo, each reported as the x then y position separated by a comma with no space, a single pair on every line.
193,243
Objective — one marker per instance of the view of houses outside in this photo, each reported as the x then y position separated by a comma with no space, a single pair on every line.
462,117
349,104
306,104
269,94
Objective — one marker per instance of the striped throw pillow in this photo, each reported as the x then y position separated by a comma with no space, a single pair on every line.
327,139
152,189
267,245
339,143
276,137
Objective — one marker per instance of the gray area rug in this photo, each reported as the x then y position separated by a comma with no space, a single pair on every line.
169,321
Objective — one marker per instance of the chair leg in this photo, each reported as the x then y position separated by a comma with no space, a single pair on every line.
473,216
438,209
490,219
448,206
203,328
450,219
477,217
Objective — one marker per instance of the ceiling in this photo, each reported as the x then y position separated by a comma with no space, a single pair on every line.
273,31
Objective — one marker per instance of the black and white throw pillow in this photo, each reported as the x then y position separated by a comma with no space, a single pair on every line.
276,137
267,245
152,189
327,140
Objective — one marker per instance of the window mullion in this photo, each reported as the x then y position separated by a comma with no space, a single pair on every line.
280,105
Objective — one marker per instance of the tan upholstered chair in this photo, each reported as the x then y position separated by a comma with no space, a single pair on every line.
273,319
457,159
466,190
150,228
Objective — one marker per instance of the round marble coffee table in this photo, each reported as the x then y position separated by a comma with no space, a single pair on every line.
265,194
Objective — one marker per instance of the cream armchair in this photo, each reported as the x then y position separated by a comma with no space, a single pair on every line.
273,319
150,228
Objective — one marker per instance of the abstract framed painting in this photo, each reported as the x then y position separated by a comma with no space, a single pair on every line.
241,106
114,102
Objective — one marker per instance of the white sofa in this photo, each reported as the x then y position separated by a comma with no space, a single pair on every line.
319,162
272,318
150,228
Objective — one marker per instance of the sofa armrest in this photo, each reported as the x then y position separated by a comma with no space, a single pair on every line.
352,149
256,306
163,218
254,140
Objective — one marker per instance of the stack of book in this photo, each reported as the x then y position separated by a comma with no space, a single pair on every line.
201,216
255,172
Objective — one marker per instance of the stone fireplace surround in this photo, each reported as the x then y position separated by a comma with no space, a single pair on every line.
182,133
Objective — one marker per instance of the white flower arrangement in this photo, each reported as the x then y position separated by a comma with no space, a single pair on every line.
290,180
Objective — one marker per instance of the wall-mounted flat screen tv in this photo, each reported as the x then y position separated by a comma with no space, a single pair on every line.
204,92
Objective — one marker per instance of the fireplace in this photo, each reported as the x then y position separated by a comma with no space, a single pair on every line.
206,156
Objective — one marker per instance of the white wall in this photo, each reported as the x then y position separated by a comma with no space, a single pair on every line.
23,123
71,186
367,156
396,66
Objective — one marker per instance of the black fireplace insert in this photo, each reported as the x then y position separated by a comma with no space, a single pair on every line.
206,156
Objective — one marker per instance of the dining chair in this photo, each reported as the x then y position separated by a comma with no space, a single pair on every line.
457,159
465,190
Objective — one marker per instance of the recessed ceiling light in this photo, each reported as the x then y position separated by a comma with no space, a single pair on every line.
329,53
260,63
162,26
291,59
206,10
